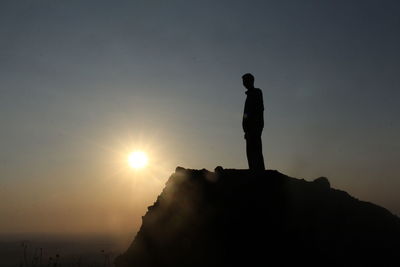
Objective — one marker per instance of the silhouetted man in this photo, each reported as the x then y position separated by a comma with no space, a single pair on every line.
253,123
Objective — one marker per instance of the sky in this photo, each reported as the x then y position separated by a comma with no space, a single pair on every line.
84,83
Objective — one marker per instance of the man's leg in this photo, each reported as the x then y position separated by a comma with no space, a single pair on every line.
249,151
258,155
254,151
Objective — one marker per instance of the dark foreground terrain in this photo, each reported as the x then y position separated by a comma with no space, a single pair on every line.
239,218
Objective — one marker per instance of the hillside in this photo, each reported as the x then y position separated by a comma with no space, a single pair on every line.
238,218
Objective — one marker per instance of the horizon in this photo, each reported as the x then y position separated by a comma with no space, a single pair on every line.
86,84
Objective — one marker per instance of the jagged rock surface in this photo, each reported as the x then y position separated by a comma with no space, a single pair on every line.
238,218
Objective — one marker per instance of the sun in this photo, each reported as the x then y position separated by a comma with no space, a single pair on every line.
138,159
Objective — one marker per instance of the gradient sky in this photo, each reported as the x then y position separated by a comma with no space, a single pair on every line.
82,83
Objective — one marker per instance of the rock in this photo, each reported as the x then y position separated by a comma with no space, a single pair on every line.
218,169
322,182
260,219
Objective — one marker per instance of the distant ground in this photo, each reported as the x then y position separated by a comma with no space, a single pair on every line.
73,250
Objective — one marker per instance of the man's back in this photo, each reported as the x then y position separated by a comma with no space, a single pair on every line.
253,117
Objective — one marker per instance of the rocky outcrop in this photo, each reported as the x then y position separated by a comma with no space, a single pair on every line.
240,218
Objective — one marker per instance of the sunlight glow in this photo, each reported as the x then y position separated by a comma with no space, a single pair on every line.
138,159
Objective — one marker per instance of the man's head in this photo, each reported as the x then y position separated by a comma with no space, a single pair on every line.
248,81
